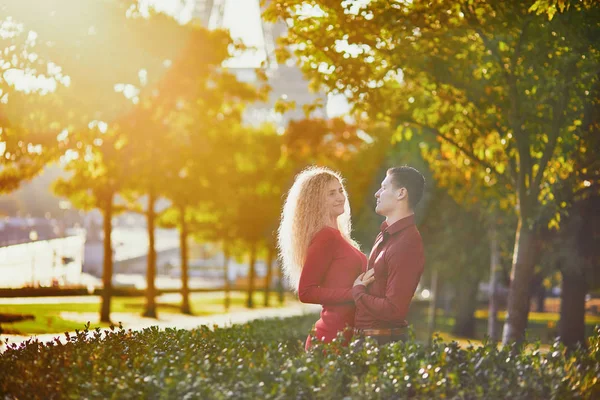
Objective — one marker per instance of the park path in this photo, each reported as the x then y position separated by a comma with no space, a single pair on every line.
179,321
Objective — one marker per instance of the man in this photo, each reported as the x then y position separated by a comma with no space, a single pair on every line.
383,293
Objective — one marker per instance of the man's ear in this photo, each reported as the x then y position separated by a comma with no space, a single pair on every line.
401,193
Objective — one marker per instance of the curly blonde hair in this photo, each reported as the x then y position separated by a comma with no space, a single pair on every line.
304,214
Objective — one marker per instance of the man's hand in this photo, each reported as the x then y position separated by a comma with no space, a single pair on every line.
366,278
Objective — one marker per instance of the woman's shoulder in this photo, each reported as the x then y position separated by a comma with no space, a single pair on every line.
326,233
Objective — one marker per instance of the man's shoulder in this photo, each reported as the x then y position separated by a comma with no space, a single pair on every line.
408,244
408,237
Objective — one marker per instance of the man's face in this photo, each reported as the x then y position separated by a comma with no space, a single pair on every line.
387,197
335,198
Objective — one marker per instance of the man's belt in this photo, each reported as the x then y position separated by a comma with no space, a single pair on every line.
380,332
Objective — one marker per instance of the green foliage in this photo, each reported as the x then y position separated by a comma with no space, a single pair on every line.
503,91
30,112
507,95
551,7
265,359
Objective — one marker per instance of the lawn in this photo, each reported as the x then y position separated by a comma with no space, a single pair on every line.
48,318
541,326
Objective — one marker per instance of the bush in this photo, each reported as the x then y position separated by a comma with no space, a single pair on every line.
265,359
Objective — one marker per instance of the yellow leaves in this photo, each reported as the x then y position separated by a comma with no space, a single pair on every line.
398,136
282,105
120,143
544,6
554,222
503,46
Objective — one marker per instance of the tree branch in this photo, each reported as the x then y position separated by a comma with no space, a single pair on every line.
469,153
558,120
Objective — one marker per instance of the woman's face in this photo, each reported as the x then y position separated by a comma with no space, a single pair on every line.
335,198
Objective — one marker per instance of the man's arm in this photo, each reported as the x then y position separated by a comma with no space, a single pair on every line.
318,260
405,266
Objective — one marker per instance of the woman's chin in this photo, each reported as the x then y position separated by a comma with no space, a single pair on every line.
337,213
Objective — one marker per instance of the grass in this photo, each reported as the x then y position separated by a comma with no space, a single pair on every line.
541,317
48,318
541,326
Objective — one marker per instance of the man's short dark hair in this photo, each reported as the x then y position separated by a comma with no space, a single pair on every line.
411,179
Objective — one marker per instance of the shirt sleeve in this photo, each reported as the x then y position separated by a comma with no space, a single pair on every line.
405,267
319,257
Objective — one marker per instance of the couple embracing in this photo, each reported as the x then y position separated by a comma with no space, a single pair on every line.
325,265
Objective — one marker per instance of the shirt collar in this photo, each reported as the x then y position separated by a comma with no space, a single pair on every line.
398,225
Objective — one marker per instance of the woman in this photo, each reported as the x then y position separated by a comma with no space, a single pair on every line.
320,259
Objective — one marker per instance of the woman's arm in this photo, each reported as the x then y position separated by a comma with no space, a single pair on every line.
319,257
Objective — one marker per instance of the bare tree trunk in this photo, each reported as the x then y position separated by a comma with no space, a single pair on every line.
540,298
432,304
151,271
107,268
251,275
571,327
466,306
226,275
269,277
183,237
521,274
493,325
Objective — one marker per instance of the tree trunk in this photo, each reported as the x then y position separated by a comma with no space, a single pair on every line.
467,304
151,271
251,274
226,276
432,304
269,277
495,275
521,274
540,298
107,269
571,327
183,237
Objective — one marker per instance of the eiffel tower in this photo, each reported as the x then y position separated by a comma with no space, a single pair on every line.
243,19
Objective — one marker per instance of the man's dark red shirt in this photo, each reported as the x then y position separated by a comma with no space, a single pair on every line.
398,259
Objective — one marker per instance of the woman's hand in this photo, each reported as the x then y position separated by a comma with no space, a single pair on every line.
366,278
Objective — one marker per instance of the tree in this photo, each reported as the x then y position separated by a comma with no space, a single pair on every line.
578,260
258,178
577,257
31,113
97,173
193,188
503,90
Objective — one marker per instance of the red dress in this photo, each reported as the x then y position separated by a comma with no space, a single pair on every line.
332,264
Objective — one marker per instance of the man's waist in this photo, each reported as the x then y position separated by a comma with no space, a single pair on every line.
398,330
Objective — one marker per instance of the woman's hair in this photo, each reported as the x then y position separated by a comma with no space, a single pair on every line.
304,214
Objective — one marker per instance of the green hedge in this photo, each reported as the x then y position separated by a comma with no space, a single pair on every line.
265,359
